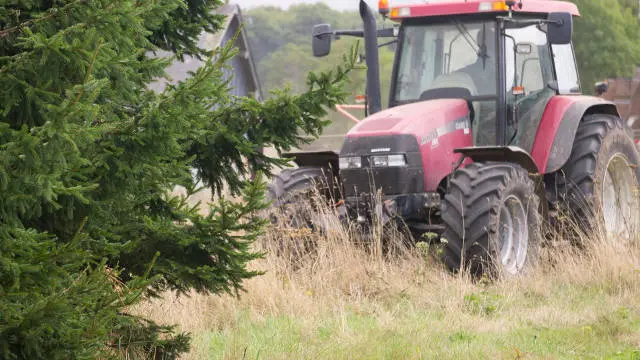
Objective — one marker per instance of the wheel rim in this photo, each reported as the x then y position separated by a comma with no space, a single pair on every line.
620,201
513,235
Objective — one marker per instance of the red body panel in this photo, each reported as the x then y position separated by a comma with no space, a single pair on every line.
554,114
549,124
457,7
426,121
438,159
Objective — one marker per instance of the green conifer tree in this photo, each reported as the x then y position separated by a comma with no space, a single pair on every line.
89,156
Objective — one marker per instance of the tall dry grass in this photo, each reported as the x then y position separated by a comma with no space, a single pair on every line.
310,276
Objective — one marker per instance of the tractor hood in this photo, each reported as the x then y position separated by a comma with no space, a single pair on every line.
418,119
425,132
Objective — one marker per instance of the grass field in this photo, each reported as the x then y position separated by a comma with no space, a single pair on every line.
328,298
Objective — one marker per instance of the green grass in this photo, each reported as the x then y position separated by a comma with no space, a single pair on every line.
490,327
341,301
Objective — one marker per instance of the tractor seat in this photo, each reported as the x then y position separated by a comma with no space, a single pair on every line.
457,80
456,85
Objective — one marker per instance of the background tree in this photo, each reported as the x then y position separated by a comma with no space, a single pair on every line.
606,39
281,43
88,158
631,5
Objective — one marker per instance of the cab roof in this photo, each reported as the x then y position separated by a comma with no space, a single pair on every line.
459,7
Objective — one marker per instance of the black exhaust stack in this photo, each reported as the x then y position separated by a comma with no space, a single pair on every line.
372,58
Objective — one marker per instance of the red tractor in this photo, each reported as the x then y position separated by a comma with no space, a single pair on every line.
485,136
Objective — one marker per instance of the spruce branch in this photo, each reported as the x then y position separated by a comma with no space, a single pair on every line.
52,13
88,74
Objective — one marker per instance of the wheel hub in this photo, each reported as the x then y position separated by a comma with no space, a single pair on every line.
513,235
620,199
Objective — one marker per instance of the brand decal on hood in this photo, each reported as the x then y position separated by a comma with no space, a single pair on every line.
462,123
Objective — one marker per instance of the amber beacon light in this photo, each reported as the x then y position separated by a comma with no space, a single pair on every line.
383,7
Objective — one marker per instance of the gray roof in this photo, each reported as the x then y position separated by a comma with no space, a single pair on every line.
230,11
179,70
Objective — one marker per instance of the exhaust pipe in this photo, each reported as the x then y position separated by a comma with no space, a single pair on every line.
372,58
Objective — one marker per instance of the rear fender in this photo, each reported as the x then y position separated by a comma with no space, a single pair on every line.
558,126
509,154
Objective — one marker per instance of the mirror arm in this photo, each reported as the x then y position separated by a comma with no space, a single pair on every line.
391,32
354,33
382,33
542,30
530,22
388,43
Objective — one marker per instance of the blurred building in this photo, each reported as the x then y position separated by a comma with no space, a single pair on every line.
625,93
241,69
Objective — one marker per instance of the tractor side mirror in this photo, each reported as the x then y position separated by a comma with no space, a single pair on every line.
560,28
321,40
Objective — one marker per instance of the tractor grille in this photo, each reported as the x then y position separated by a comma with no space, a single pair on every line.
390,180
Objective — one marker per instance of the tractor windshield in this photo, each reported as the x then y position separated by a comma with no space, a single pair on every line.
447,59
454,59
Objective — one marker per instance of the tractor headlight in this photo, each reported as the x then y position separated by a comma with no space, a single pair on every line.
388,161
354,162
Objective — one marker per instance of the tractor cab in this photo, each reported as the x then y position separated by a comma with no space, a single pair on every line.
507,59
504,63
503,66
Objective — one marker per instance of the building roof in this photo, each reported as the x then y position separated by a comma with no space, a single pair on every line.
179,70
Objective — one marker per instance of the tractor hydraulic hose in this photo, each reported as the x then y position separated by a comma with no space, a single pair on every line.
372,58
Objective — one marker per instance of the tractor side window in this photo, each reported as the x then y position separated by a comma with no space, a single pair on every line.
529,70
563,57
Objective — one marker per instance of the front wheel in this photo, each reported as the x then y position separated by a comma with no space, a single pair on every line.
301,197
492,221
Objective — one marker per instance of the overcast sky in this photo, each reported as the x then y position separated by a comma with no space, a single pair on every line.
336,4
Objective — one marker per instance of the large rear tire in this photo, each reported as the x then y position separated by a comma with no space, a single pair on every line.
492,221
602,178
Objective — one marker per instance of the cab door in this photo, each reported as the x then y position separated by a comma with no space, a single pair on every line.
530,82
